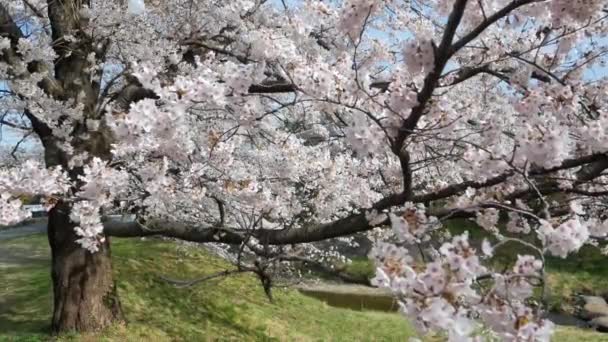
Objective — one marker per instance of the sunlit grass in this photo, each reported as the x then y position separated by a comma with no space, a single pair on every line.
233,308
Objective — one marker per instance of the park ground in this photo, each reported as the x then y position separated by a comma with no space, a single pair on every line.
228,309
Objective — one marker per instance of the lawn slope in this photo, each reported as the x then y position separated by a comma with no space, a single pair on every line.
233,308
226,309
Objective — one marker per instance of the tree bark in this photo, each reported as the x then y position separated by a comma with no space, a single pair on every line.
85,295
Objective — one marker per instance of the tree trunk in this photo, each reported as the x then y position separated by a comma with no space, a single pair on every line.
85,296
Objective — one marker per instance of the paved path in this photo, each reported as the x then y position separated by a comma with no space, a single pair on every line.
31,228
344,289
16,255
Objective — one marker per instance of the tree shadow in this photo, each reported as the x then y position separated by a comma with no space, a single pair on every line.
17,319
12,260
25,294
30,328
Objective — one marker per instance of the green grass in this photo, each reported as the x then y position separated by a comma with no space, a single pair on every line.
360,268
227,309
569,334
233,308
585,272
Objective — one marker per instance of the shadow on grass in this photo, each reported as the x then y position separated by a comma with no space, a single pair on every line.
25,289
33,330
186,313
25,310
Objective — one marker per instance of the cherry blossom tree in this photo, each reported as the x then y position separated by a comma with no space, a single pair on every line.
271,125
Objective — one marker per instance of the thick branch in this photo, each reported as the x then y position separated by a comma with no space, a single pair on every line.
442,55
349,225
469,72
284,87
342,227
488,22
460,187
9,28
592,171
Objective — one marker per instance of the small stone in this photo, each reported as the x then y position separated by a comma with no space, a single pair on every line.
600,323
594,310
594,300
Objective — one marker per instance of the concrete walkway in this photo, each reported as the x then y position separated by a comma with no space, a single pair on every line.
348,296
12,254
344,289
34,227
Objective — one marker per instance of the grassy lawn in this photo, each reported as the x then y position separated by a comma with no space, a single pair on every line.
233,308
569,334
228,309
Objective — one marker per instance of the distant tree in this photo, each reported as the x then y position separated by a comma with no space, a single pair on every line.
270,125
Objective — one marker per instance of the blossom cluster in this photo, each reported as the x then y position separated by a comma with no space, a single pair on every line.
444,294
11,211
419,56
354,14
413,226
89,227
28,179
566,238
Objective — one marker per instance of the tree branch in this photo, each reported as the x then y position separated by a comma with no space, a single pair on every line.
442,55
349,225
10,56
489,21
460,187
